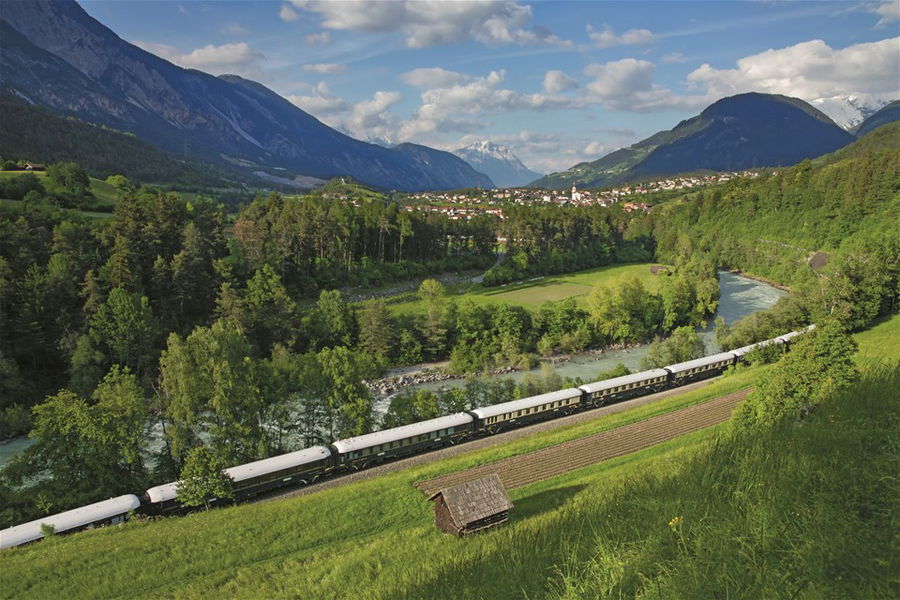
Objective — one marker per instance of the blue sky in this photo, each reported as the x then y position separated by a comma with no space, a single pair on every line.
558,82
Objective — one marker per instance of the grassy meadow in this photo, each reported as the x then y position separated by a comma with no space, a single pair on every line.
104,193
533,293
711,514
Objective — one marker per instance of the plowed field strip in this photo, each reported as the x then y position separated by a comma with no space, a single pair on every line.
541,464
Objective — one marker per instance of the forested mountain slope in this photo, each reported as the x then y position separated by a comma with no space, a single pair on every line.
887,114
845,204
36,134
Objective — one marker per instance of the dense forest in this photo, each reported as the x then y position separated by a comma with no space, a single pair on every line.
234,336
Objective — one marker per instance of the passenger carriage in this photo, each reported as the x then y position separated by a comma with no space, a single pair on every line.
699,368
518,412
742,352
627,386
358,452
107,512
251,479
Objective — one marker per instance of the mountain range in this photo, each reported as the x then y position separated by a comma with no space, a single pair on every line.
740,132
53,54
497,162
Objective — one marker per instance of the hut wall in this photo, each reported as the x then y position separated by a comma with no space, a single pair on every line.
442,517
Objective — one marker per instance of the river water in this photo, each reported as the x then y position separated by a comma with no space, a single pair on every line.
739,297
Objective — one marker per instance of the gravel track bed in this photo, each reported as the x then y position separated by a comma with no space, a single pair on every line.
547,462
485,442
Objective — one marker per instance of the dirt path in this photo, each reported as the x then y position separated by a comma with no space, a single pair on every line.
541,464
485,442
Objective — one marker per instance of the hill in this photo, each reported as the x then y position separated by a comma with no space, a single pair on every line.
846,201
740,132
56,55
497,162
888,114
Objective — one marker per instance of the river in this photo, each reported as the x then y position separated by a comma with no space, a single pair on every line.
739,297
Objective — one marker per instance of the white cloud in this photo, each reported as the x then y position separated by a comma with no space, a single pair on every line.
288,14
628,85
597,149
322,103
457,107
371,119
434,77
235,58
889,12
556,81
808,70
433,22
633,37
325,68
317,38
673,57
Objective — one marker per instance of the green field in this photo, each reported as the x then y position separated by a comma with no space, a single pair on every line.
755,517
881,343
532,294
104,194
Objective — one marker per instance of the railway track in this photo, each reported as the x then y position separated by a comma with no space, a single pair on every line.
547,462
482,442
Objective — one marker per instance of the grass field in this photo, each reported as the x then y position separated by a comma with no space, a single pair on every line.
532,294
754,516
105,194
881,343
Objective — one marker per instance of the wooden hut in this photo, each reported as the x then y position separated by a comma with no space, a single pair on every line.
471,506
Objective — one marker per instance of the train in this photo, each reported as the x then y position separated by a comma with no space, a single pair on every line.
309,465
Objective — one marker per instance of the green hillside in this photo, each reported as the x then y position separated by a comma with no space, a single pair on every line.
710,514
769,226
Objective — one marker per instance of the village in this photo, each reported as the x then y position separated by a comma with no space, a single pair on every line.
467,204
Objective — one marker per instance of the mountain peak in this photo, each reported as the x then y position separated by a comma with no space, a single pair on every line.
498,162
739,132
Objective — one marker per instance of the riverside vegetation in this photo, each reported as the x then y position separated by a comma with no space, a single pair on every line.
206,334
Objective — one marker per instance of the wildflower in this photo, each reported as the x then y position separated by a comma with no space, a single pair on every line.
675,522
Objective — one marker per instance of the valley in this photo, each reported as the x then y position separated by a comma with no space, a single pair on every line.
272,274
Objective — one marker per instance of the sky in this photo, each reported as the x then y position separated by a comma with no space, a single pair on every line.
558,82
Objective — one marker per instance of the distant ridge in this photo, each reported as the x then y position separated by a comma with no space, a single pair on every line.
740,132
52,53
887,114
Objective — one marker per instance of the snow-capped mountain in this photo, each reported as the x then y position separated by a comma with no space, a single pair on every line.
850,111
497,162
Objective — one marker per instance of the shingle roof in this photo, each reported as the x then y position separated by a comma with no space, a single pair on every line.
474,500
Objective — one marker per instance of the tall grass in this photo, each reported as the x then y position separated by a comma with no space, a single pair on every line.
805,509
